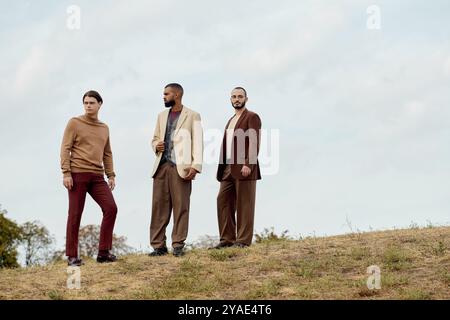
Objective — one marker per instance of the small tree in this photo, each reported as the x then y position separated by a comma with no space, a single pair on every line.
58,255
10,236
270,235
88,241
37,243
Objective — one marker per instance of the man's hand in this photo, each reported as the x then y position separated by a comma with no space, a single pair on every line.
160,146
191,173
112,183
245,171
68,182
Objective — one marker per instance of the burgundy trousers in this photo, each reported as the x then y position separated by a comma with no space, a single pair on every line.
96,186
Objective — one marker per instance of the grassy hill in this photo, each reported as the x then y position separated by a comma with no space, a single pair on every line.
415,264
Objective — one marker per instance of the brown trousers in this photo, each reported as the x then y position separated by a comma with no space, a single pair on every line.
236,210
170,193
96,186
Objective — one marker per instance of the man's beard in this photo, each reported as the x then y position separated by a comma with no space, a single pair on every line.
239,107
169,104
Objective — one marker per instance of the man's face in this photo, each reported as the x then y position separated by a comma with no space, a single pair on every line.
91,105
169,97
238,98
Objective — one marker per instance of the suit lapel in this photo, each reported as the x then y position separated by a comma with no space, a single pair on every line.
228,123
238,123
164,116
183,116
224,140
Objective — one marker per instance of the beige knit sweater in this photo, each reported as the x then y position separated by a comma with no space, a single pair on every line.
86,147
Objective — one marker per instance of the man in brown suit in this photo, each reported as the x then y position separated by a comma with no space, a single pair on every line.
237,173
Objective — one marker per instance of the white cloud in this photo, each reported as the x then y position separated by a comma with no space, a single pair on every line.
30,70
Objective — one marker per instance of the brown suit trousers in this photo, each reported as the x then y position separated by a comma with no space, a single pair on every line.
170,193
236,209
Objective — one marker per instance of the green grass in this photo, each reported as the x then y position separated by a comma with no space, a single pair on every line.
414,264
396,258
439,249
223,254
417,294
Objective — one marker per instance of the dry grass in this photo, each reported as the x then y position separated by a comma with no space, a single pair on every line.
415,264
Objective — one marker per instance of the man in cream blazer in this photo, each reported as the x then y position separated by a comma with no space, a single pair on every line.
178,145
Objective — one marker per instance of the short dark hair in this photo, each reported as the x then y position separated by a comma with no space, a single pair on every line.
176,86
245,91
93,94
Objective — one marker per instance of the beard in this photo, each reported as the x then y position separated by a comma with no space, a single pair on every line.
169,104
239,107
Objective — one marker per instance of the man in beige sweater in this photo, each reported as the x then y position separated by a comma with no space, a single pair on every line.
85,157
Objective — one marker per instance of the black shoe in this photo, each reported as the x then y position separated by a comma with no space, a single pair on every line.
106,258
223,245
158,252
178,251
240,245
74,262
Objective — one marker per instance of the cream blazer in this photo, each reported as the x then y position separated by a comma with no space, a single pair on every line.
187,140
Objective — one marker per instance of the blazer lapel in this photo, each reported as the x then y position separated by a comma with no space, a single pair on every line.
163,126
183,116
224,140
228,123
238,123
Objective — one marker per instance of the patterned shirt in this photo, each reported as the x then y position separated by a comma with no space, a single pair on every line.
169,152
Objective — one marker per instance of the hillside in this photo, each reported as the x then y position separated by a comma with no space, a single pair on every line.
415,264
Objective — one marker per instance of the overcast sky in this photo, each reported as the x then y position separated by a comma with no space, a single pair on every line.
362,114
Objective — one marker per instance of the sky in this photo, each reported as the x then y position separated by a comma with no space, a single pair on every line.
353,95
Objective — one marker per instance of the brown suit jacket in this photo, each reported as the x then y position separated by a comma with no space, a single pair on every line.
244,154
